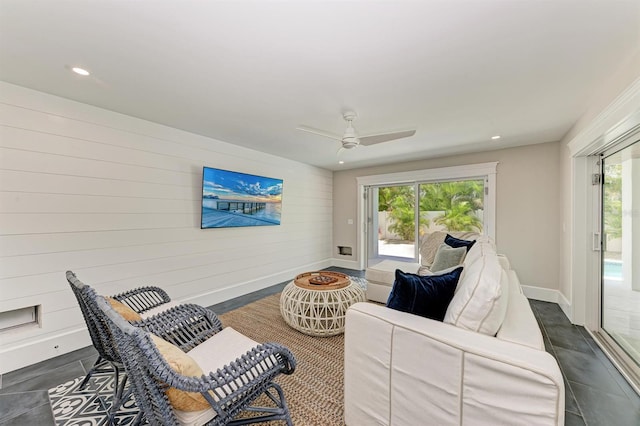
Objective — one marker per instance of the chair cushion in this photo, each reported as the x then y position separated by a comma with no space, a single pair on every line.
182,364
477,305
427,296
447,256
125,311
161,308
216,352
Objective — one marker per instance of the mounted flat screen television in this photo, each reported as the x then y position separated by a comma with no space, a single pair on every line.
232,199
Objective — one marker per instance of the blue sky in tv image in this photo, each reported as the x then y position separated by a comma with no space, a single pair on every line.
231,199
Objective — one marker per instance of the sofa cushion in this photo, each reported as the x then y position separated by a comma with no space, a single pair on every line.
447,256
458,242
384,272
427,296
477,304
477,251
520,325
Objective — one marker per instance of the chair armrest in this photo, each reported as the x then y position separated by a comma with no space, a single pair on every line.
143,298
185,326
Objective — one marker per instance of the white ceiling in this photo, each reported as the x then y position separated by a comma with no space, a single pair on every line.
250,72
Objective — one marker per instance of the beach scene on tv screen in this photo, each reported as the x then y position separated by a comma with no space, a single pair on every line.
231,199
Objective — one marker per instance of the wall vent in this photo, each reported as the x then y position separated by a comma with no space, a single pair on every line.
19,318
345,251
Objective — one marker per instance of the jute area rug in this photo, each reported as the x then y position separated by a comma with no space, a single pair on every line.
314,392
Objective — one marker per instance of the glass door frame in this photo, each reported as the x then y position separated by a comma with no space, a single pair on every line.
620,358
486,171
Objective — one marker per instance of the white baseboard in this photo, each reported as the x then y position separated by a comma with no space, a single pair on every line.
548,295
240,289
344,263
36,351
31,353
565,305
540,293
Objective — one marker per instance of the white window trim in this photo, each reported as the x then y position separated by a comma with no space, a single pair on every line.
487,171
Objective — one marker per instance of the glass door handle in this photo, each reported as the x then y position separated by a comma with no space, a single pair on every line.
596,241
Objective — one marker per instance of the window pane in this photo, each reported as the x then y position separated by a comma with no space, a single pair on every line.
621,251
452,206
396,221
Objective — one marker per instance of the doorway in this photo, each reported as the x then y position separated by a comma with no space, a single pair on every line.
399,215
620,252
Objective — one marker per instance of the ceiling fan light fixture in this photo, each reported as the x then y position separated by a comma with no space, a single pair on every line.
349,142
496,137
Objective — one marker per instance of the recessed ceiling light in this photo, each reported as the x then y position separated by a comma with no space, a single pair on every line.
495,137
80,71
340,162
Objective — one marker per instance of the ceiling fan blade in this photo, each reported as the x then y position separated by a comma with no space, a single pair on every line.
385,137
319,132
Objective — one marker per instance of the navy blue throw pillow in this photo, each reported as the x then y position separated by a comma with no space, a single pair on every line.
457,242
428,296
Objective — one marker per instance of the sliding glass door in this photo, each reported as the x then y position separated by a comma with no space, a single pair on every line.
392,217
452,206
620,263
398,215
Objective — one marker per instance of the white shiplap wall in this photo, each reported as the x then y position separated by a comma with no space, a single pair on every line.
116,199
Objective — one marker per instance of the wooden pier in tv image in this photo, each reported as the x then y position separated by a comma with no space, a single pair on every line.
220,213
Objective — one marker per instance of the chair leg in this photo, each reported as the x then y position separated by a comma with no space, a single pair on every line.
98,367
280,412
118,394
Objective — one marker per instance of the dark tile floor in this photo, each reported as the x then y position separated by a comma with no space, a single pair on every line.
596,394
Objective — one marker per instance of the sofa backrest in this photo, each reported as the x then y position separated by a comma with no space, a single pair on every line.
430,242
520,325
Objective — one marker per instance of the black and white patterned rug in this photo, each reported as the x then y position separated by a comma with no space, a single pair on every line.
89,406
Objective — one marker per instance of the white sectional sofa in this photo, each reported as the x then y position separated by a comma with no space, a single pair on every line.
381,275
484,365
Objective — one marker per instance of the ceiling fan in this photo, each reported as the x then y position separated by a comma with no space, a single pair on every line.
350,138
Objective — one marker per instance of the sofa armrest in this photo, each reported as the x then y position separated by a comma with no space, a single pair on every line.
504,262
401,369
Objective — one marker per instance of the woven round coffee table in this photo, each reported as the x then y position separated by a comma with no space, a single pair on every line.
315,303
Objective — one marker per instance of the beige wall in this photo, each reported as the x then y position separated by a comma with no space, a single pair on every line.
528,210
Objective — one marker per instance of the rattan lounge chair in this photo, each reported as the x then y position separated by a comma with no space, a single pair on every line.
241,370
141,300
